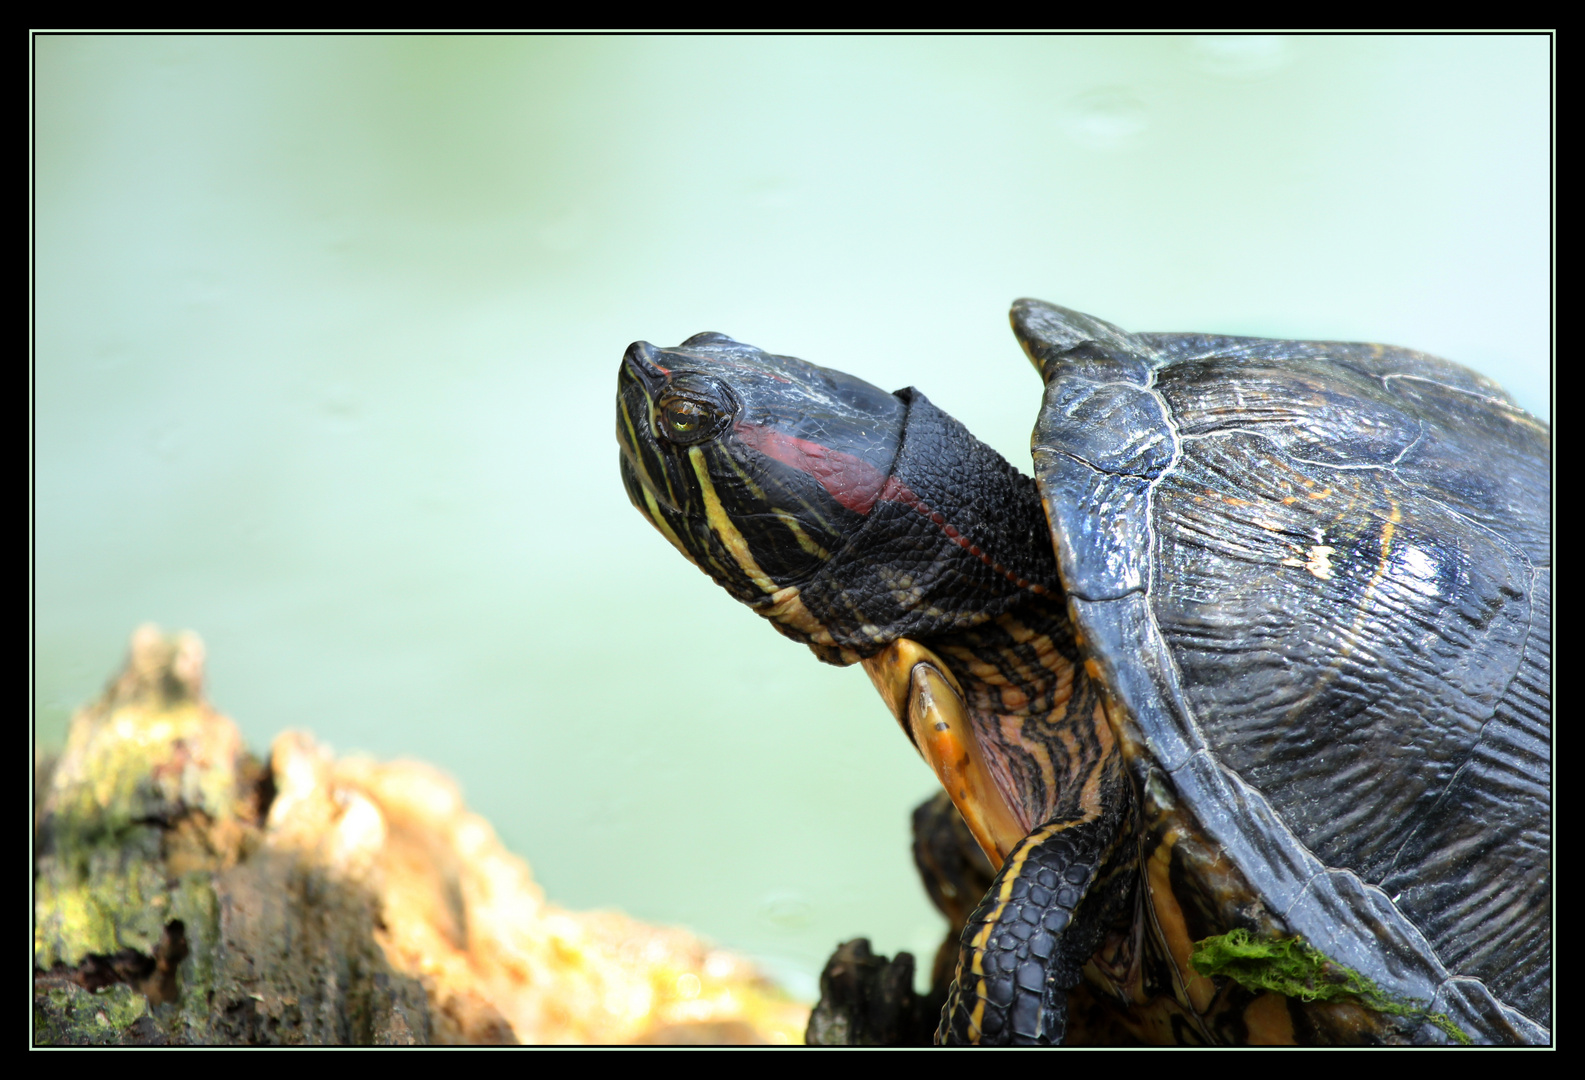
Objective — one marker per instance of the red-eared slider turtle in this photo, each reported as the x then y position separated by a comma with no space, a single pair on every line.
1245,695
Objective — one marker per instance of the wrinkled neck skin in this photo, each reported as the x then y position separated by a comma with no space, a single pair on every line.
847,516
957,556
957,538
851,518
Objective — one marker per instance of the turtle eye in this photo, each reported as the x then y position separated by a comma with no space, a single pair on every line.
692,408
686,421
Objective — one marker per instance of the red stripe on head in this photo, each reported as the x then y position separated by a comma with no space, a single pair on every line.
858,485
851,481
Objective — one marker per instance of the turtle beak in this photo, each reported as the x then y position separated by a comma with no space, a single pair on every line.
639,382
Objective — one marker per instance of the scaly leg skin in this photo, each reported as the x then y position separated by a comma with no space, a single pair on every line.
1025,946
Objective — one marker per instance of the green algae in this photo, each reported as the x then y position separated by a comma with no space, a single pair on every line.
148,825
72,1016
1296,969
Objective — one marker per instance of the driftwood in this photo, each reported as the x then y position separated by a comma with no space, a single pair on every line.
867,999
186,892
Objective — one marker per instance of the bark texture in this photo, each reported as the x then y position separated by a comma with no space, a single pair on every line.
186,892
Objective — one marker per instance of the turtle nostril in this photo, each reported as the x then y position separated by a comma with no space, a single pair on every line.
641,358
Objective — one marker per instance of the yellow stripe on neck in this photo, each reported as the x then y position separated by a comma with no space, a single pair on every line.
787,606
716,515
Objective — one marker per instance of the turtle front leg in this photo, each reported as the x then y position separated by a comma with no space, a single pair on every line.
1025,946
1058,887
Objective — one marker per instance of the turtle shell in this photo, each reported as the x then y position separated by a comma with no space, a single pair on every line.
1315,580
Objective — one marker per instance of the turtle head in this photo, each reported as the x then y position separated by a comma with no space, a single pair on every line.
756,467
791,485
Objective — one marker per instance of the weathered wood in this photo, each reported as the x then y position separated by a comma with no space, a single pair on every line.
186,892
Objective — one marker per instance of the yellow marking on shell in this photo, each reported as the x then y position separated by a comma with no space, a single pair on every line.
1387,531
1383,564
1352,636
1194,990
1322,494
1320,563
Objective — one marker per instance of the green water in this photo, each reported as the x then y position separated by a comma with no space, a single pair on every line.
327,334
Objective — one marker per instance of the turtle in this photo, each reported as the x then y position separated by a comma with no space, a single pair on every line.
1244,694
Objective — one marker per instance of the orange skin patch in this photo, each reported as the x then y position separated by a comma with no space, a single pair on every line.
1174,930
1269,1022
928,704
945,738
1013,699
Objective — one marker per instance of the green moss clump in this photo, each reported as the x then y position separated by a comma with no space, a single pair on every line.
149,825
1296,969
68,1015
